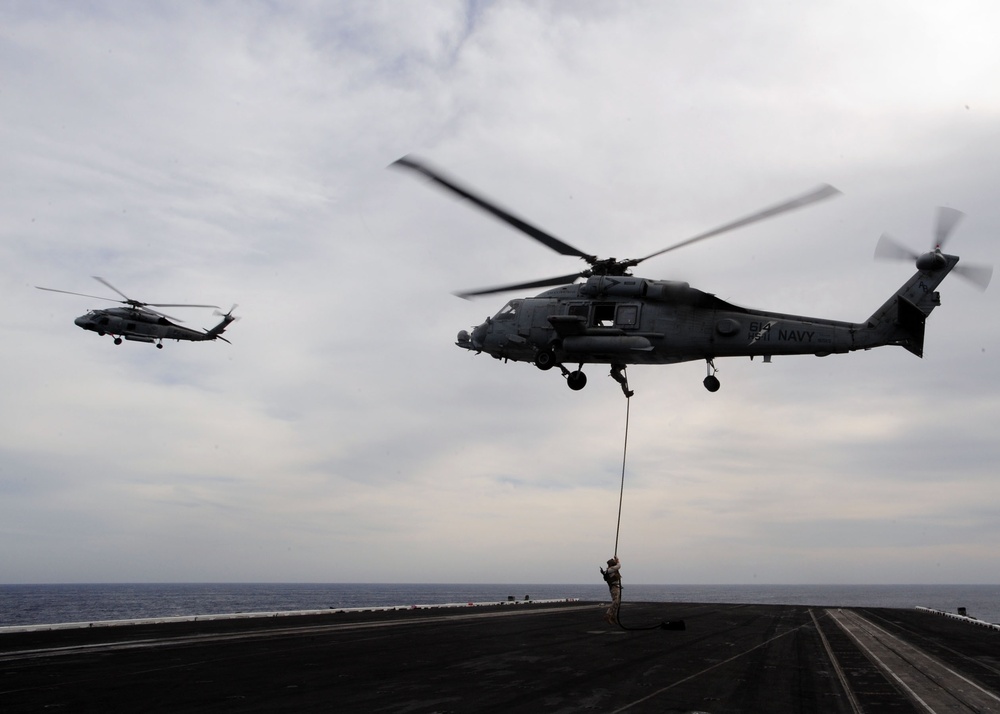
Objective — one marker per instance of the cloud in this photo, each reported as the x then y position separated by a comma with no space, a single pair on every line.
237,153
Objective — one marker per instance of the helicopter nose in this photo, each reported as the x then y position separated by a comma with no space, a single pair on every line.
473,341
479,336
81,321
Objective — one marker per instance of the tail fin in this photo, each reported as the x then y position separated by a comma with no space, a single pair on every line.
216,332
901,319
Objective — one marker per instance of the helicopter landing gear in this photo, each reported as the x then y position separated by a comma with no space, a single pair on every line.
118,340
575,380
711,382
159,345
545,360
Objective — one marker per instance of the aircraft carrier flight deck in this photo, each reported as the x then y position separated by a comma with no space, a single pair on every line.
526,657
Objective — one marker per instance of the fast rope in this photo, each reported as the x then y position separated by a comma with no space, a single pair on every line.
665,624
621,494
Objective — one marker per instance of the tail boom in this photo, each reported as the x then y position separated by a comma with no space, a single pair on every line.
901,320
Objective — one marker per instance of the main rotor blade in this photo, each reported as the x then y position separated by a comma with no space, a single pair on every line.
888,249
546,282
105,283
823,192
139,303
504,215
143,308
948,218
68,292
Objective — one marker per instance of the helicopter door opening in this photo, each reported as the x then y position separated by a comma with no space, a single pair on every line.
604,314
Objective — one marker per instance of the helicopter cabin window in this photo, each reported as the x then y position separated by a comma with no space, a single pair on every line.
509,311
104,320
627,316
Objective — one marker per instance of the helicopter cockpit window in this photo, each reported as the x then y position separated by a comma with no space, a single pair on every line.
509,311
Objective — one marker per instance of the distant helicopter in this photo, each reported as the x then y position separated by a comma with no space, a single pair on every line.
616,319
138,323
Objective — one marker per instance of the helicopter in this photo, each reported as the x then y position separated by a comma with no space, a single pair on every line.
615,318
137,322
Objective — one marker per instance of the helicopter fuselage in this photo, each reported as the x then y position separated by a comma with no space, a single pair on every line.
138,322
626,320
137,326
636,321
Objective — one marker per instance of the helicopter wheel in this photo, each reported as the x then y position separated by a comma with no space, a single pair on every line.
576,380
159,345
545,359
711,381
118,340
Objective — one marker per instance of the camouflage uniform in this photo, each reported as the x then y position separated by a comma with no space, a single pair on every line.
613,577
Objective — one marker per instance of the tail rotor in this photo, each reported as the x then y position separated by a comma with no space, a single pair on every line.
228,315
889,249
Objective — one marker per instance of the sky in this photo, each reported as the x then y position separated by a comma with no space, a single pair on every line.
237,152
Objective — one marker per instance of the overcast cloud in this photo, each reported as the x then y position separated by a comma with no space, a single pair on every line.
236,152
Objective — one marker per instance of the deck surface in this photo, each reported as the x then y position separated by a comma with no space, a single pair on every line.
521,658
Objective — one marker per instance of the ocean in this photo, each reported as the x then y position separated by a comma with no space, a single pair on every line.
22,605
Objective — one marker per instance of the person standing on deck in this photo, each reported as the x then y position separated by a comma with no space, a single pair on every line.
613,577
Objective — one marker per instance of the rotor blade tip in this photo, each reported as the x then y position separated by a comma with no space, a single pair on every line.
827,191
406,161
